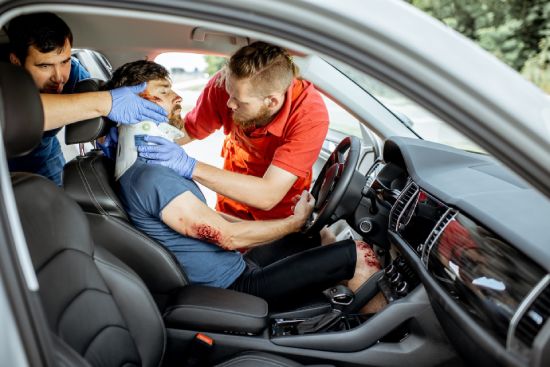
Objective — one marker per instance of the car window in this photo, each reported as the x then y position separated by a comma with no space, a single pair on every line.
422,122
341,120
96,63
189,74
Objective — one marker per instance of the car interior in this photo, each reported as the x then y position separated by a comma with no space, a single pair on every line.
466,279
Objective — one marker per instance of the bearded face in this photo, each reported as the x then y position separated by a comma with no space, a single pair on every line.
263,117
160,92
248,108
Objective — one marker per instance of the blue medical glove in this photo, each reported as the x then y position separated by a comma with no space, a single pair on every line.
166,153
129,108
110,143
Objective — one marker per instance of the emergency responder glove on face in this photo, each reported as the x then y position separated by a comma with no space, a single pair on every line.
168,154
129,108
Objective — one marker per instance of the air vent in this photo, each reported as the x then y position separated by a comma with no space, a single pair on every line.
436,232
529,319
534,318
404,199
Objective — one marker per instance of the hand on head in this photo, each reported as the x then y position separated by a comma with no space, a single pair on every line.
129,108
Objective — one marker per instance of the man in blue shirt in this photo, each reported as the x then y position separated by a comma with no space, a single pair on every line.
208,244
41,43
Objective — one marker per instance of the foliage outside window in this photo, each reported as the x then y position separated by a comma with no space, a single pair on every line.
515,31
214,63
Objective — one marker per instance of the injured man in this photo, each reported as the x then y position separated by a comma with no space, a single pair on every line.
269,259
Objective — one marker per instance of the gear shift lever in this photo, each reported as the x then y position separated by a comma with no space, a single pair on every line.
340,297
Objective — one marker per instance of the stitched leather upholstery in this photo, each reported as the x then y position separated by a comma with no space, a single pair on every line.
89,180
77,300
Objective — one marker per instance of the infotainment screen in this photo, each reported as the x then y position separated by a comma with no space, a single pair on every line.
419,218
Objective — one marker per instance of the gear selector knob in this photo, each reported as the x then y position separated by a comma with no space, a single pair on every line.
339,295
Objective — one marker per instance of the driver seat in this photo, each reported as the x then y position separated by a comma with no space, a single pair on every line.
89,180
99,310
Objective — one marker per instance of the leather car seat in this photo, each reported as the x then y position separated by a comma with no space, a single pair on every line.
96,305
89,180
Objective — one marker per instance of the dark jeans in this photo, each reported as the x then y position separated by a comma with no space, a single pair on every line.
295,268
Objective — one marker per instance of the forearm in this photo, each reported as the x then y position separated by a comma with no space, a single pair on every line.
189,216
64,109
250,190
247,234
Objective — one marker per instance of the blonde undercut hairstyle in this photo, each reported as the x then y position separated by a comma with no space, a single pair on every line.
270,68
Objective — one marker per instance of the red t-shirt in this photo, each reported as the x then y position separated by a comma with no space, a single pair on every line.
292,141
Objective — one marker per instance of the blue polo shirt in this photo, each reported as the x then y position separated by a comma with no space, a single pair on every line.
145,189
47,158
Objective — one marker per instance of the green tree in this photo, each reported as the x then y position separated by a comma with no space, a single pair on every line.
214,63
537,68
516,31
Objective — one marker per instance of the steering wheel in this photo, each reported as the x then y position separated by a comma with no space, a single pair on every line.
332,184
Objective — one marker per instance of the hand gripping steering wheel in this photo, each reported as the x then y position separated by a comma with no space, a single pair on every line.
332,184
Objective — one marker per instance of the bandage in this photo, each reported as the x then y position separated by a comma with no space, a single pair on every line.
126,151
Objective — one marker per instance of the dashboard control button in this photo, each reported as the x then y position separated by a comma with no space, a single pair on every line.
396,278
390,270
402,288
365,226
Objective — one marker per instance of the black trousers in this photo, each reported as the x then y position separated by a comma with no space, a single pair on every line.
295,268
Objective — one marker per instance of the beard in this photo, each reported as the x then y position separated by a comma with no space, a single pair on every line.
261,119
174,117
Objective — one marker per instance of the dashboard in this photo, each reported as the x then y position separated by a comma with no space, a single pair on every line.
476,236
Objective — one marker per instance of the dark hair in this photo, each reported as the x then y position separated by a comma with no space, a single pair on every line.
45,31
137,72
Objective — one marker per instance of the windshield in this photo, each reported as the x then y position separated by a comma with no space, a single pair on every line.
422,122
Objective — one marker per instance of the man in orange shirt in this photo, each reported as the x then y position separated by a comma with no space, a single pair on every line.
275,125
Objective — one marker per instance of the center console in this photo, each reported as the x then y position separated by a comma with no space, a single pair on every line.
335,328
218,310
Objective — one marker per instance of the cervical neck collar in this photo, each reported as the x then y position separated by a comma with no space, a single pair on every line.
126,151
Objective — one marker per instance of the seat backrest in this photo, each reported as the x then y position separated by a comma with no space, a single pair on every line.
92,301
89,180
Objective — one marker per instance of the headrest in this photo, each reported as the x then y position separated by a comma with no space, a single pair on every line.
91,129
22,119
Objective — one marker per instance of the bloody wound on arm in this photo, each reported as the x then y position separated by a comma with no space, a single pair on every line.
209,234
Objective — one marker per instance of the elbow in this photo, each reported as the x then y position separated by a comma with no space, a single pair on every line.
269,203
230,244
